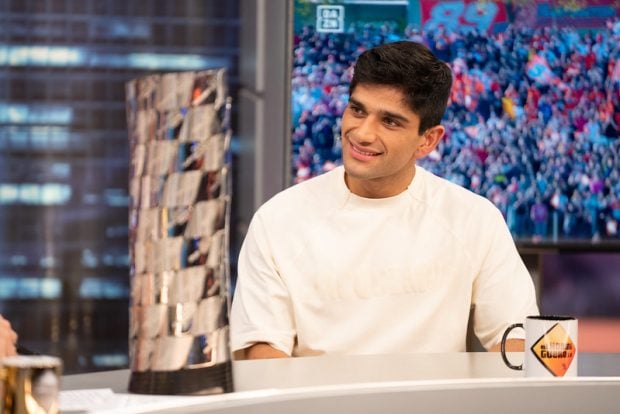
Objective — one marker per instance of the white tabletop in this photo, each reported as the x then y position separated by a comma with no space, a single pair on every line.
455,382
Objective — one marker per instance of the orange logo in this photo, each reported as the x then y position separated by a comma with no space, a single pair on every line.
555,350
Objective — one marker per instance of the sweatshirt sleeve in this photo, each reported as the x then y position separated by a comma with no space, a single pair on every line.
261,307
503,290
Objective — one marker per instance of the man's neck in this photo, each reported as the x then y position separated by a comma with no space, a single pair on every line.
380,187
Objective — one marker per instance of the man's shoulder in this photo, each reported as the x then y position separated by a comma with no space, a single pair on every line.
455,203
442,190
318,190
471,220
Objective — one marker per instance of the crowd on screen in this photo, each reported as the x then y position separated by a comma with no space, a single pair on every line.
533,123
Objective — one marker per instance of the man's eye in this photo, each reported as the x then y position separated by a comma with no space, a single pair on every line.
356,110
390,122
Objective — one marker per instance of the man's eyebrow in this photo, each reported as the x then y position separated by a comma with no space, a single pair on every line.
388,114
356,103
394,115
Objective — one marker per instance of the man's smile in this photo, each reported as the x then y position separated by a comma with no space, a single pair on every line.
356,150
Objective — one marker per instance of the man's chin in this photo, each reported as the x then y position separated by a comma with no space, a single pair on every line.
356,171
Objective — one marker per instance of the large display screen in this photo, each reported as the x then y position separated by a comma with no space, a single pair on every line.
533,122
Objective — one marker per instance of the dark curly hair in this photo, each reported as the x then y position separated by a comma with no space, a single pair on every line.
411,67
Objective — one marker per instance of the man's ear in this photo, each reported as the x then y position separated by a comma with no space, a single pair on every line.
430,139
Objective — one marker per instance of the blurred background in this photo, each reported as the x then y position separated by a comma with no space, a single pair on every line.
533,125
64,265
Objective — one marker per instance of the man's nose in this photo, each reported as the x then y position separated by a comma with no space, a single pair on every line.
366,130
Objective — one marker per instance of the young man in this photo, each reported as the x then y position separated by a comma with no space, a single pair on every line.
380,256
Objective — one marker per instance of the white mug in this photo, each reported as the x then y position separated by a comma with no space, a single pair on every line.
550,346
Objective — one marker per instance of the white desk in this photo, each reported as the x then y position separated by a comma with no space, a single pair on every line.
441,383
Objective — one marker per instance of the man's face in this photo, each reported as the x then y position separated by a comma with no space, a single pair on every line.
380,141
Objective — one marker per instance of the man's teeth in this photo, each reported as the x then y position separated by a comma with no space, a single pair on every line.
364,152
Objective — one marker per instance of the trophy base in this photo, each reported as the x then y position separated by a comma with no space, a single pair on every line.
216,379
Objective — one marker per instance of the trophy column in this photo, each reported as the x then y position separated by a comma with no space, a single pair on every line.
179,137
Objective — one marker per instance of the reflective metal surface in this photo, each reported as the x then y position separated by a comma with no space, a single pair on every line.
29,384
179,234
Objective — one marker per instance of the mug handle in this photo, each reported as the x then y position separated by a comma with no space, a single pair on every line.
503,347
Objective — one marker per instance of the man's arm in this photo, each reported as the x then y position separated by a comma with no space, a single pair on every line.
260,350
512,345
503,290
261,313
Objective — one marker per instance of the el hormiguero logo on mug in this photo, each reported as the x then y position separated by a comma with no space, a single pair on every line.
550,346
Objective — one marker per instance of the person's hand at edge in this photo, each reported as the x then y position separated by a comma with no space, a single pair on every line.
8,339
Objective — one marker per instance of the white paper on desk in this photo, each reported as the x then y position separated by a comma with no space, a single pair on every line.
104,400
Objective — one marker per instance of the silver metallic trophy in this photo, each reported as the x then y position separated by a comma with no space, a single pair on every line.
179,135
